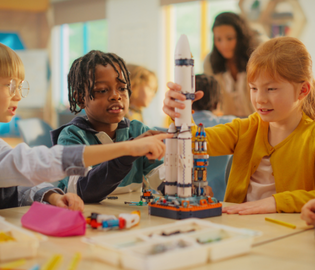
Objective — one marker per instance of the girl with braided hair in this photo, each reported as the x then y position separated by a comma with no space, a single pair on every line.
99,83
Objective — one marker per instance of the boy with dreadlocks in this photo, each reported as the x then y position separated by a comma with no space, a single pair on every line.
99,83
22,167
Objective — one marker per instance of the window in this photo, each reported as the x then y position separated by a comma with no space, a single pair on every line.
195,20
71,41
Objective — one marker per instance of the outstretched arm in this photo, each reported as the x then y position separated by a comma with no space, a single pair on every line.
152,147
104,179
25,166
30,166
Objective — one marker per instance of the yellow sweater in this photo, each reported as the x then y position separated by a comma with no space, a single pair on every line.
292,160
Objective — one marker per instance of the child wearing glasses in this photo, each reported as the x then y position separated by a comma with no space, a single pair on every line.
25,166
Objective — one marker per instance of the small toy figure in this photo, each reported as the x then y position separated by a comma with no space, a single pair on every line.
124,221
146,195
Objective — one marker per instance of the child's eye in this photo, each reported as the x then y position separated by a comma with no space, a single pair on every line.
272,89
253,88
100,91
122,89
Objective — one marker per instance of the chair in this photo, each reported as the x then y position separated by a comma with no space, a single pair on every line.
228,169
35,131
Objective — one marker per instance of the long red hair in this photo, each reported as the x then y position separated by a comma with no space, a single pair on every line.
287,58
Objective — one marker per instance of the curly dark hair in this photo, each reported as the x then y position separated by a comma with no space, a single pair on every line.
211,89
246,42
82,73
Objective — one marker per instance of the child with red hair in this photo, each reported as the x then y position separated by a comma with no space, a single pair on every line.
274,148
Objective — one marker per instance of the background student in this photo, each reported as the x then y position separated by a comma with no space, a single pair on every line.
99,83
144,85
26,166
205,113
274,148
233,42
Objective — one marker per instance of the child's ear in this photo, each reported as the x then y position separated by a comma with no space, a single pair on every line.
79,99
305,88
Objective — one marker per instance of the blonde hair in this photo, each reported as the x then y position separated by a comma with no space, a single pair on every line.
10,64
287,58
140,75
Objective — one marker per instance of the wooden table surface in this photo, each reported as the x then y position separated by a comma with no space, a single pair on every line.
277,247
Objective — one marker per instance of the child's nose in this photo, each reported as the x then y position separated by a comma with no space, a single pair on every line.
261,97
17,96
115,95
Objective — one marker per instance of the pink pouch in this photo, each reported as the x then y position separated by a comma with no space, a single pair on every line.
54,221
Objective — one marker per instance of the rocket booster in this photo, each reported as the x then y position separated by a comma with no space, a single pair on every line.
185,160
170,162
184,76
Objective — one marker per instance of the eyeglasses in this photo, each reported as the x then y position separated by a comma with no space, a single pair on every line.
23,88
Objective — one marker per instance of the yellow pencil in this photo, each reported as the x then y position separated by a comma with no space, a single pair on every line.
53,262
13,265
281,222
75,261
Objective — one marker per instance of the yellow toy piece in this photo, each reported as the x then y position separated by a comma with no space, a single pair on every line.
6,236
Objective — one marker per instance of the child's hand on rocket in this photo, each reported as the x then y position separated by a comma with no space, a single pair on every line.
170,102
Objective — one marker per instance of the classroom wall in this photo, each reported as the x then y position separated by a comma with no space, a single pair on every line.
135,34
33,27
307,36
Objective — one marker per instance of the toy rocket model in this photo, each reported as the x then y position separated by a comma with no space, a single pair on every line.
178,149
184,76
185,170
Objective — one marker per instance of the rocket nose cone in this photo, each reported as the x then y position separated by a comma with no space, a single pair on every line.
182,50
172,128
184,132
184,127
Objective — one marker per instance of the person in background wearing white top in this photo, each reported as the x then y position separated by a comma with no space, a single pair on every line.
233,42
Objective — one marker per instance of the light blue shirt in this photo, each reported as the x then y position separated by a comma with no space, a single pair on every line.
216,167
